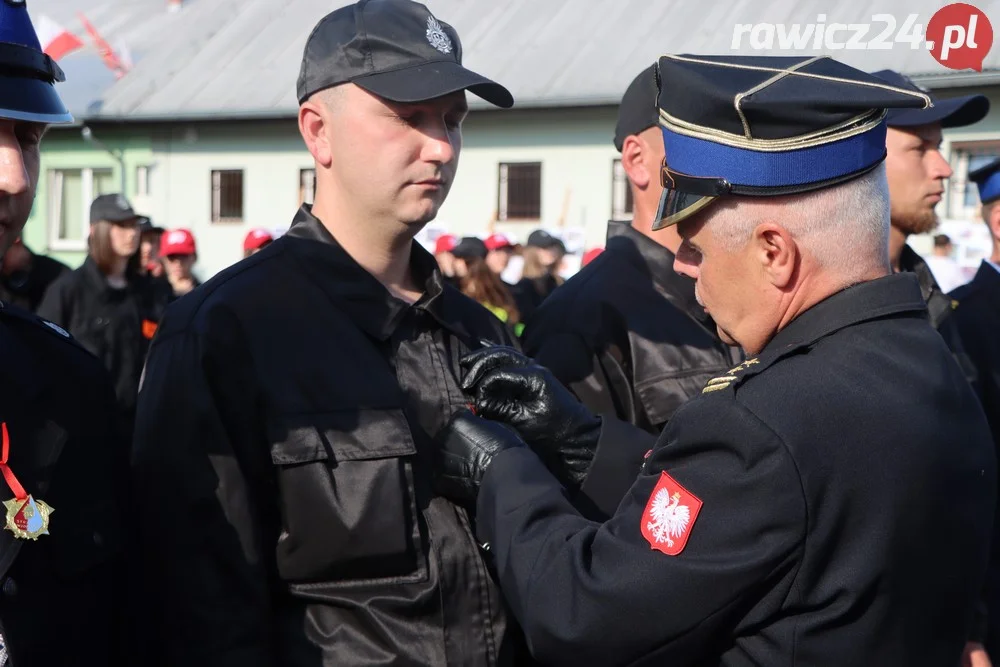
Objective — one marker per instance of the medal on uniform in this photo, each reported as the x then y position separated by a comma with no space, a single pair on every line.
27,518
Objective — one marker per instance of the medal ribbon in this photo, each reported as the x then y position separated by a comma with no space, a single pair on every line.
8,474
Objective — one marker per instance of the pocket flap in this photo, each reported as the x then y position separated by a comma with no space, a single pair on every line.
344,435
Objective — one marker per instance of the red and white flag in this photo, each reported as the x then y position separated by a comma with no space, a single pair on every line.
56,40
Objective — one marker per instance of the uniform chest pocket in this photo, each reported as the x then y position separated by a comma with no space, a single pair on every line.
348,501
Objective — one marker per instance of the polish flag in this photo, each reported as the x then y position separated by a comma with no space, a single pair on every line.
56,40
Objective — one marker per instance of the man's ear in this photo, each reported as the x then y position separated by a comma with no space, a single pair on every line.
313,121
777,252
995,220
633,163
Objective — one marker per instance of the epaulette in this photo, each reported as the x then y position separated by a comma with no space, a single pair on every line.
734,377
8,310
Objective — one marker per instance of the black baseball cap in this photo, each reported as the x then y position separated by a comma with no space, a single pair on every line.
146,225
638,111
470,247
113,208
542,239
950,112
395,49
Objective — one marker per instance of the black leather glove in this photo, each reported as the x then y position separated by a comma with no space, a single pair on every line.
509,387
466,447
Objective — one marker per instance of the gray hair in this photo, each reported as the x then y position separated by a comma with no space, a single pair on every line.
844,227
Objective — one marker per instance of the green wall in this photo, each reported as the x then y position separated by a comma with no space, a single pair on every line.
65,148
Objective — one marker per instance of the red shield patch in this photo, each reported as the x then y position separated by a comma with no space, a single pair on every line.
670,514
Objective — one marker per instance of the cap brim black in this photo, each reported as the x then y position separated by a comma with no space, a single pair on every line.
950,112
31,100
427,81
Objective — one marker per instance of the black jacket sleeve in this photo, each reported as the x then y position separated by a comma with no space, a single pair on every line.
592,593
203,570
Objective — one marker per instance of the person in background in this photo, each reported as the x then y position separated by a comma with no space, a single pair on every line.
944,267
977,315
255,241
916,171
149,247
107,304
590,256
442,253
499,250
24,276
627,334
179,253
543,255
478,281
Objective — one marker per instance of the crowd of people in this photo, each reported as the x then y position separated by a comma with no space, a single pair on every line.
752,429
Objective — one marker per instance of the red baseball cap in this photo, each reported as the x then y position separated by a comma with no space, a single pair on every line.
256,238
177,242
497,241
590,256
445,243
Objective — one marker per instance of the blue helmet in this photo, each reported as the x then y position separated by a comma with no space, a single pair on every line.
27,75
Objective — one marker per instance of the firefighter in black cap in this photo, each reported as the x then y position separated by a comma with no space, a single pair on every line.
828,501
61,546
284,440
626,333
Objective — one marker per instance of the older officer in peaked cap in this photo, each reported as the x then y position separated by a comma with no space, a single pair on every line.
977,317
61,565
826,502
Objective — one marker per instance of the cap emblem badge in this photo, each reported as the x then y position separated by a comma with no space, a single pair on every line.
437,37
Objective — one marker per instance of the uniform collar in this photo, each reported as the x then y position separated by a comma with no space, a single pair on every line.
891,295
910,260
358,293
658,263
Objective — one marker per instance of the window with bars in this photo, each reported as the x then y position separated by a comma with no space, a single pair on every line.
307,186
621,193
70,193
962,194
520,192
227,195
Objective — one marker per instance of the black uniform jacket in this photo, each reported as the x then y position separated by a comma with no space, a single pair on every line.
116,325
62,595
940,310
283,465
627,335
828,502
977,317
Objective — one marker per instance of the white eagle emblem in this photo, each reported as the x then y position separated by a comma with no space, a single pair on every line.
669,518
437,37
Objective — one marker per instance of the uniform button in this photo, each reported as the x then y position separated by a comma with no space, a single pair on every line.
10,587
98,539
485,546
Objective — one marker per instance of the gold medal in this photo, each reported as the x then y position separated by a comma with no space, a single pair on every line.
27,518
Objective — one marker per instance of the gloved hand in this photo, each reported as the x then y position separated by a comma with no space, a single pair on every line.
509,387
466,447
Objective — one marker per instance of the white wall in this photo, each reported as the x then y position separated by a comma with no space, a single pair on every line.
270,155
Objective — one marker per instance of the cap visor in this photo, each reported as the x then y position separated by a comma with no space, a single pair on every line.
676,205
951,112
427,81
31,100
